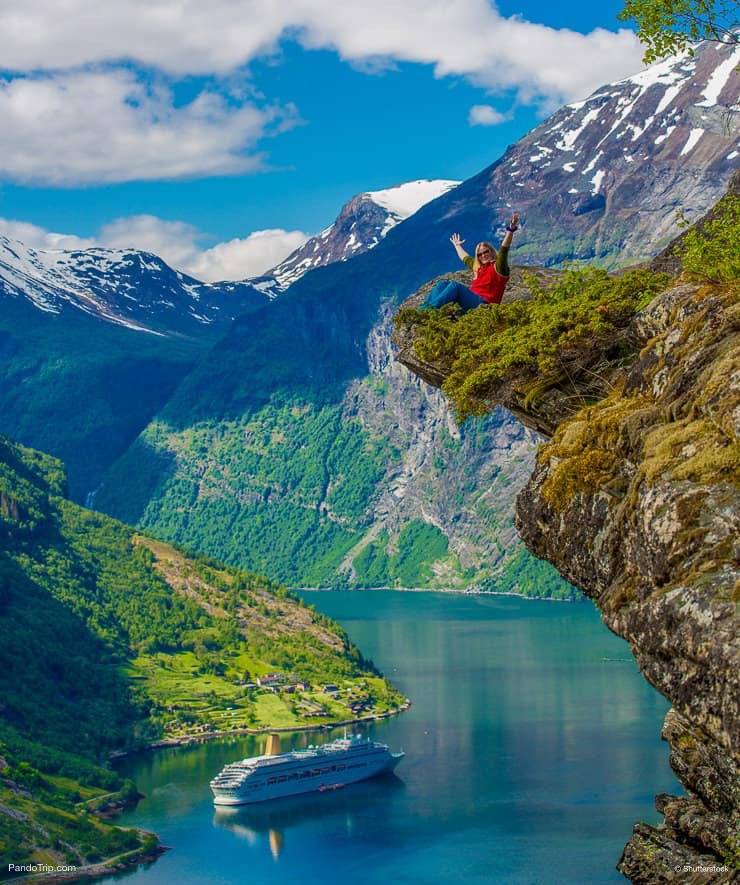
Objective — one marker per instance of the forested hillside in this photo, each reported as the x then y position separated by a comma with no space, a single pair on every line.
80,388
112,640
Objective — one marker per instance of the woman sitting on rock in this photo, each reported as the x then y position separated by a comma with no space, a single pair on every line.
490,274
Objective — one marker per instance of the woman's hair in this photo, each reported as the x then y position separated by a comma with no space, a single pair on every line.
476,263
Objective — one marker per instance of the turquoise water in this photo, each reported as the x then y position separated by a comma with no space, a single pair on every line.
532,748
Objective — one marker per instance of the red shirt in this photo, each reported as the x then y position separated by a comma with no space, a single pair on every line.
489,284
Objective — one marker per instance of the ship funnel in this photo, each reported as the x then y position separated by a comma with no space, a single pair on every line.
273,745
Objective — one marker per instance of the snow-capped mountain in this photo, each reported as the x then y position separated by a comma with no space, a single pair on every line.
361,224
605,176
125,287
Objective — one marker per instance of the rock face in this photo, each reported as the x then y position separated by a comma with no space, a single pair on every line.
431,478
636,500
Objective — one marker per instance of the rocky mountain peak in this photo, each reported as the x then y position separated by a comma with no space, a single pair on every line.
126,287
608,173
361,224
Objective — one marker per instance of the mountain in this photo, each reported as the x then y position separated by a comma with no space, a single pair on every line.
604,177
94,341
291,449
635,494
128,288
112,640
80,388
361,224
92,344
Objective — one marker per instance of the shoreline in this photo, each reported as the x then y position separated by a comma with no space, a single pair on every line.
457,591
112,866
201,738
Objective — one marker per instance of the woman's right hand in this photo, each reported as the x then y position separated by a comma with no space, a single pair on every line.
457,240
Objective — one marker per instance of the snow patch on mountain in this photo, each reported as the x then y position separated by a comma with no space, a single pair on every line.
719,78
361,224
691,141
638,149
125,287
405,199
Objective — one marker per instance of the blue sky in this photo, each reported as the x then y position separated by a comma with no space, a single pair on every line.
331,121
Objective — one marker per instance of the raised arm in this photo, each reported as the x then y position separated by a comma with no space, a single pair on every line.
457,242
512,226
502,256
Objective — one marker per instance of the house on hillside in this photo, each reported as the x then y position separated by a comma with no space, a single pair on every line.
270,680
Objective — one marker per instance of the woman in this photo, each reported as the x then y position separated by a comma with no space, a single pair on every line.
490,274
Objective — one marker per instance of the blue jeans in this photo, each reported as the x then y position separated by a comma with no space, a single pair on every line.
448,291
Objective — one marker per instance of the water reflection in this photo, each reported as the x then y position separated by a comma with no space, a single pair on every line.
342,809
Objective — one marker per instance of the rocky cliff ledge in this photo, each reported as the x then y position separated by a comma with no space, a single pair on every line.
635,499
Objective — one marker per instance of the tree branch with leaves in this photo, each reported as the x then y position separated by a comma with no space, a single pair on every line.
667,27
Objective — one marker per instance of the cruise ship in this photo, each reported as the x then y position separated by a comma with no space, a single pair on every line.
275,774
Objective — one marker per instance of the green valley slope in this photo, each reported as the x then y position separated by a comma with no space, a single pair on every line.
333,487
80,388
111,640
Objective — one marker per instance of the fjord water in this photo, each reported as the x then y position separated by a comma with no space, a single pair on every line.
532,747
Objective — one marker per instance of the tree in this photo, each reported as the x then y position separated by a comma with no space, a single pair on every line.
667,27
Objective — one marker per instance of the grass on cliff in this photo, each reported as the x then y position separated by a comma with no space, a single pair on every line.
535,339
711,252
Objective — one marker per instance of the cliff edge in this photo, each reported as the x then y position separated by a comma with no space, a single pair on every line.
635,496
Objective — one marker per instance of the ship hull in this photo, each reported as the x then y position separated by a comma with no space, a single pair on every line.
305,781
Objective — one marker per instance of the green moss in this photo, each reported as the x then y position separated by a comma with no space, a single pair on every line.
695,450
581,473
580,313
731,854
584,452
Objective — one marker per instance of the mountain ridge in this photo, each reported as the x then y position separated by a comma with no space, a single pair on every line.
361,224
258,374
126,287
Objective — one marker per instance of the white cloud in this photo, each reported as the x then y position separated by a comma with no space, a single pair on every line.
109,126
485,115
174,241
247,257
177,242
39,238
468,38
